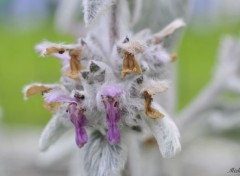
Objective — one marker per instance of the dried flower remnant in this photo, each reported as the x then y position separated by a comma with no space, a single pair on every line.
75,66
37,88
130,64
53,50
149,110
174,57
73,56
51,106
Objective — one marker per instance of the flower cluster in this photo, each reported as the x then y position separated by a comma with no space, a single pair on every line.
105,92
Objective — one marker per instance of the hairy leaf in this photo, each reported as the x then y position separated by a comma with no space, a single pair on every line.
102,158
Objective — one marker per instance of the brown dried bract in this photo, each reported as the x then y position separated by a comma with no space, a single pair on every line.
37,89
72,75
75,65
52,50
174,57
130,65
149,110
52,106
150,142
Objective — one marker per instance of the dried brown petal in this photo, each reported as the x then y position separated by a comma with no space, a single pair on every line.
130,65
72,75
52,106
52,50
75,65
150,142
149,110
174,57
36,89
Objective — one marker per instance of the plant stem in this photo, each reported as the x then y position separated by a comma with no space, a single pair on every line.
114,34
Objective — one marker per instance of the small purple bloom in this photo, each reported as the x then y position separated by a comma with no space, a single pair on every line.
110,96
112,91
58,96
79,121
75,110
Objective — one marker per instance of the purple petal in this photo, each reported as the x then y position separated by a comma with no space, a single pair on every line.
112,90
81,137
58,96
79,121
113,134
113,117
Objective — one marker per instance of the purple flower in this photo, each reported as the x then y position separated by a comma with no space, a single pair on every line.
79,121
110,96
75,110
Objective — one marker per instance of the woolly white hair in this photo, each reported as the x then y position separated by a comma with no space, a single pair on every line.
165,132
103,159
94,8
56,127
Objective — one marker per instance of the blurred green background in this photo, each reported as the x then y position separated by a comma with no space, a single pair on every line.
20,65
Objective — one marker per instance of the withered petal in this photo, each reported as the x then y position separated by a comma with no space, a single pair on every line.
130,65
149,110
37,89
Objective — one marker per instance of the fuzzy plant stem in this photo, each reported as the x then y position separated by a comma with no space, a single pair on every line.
114,34
204,100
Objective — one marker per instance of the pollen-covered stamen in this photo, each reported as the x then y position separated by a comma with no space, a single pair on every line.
75,65
130,65
79,121
149,110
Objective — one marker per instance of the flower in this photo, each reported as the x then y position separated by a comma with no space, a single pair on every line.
110,97
79,121
108,85
76,111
